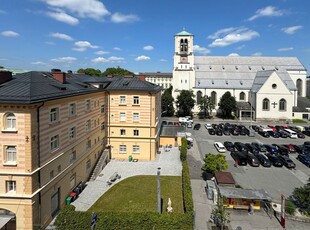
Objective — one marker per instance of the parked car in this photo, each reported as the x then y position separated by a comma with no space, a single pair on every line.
263,133
301,135
226,131
260,147
271,149
252,160
240,146
220,147
273,134
234,132
283,134
251,148
272,127
239,157
208,126
282,150
305,159
307,144
211,131
290,148
302,149
263,159
275,160
229,145
218,132
197,126
287,162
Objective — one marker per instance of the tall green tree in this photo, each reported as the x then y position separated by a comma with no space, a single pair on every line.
303,196
206,105
90,71
116,72
220,215
214,163
227,105
167,103
185,103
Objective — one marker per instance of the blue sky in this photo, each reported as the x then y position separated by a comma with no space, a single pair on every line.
138,35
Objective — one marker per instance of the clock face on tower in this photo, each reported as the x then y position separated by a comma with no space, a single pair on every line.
183,59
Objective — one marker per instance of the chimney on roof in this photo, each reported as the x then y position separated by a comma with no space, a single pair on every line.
141,77
5,76
110,75
128,75
59,76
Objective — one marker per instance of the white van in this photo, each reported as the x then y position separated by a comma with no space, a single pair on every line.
291,133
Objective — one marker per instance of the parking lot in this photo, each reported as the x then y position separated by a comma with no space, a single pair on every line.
275,181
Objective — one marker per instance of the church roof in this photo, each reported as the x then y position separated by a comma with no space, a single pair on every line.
184,33
240,72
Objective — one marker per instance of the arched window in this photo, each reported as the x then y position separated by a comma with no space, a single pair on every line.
10,121
299,87
282,105
185,45
242,96
199,95
266,104
213,98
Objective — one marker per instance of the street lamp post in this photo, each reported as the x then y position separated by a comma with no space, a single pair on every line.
158,191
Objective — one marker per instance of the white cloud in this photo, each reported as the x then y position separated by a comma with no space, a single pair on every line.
291,30
117,48
50,43
110,59
38,63
240,47
83,45
268,11
143,58
94,9
201,50
64,59
163,60
62,16
228,36
9,33
233,55
285,49
257,54
62,36
119,18
101,52
148,48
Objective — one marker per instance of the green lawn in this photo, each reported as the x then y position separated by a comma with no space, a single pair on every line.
139,194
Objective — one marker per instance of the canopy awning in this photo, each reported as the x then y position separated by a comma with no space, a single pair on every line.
251,194
4,219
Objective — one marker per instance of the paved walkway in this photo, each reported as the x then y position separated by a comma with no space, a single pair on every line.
169,162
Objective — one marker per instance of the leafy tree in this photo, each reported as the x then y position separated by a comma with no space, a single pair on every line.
90,71
290,207
1,67
167,102
214,163
206,105
227,105
220,215
303,196
116,71
185,103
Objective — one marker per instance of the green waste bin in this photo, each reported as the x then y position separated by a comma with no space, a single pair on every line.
68,200
130,158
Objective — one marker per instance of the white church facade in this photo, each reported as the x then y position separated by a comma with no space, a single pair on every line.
267,87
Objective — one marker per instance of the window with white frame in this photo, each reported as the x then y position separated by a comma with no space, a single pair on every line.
123,132
122,116
72,156
10,121
136,132
135,116
136,149
54,142
122,148
72,133
88,125
136,100
87,105
10,157
54,115
72,109
10,186
122,100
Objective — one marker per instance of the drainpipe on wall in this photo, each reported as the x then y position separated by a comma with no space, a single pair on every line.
109,131
150,125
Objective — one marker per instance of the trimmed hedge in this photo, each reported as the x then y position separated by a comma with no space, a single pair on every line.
69,219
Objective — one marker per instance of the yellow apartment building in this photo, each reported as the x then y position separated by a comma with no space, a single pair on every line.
54,127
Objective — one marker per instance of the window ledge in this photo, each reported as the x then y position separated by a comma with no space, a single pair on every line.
135,104
122,104
10,164
9,131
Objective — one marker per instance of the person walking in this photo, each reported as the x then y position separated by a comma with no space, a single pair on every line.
93,221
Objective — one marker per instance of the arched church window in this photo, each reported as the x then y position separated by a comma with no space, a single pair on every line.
266,104
242,96
199,95
282,105
213,98
185,45
299,87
